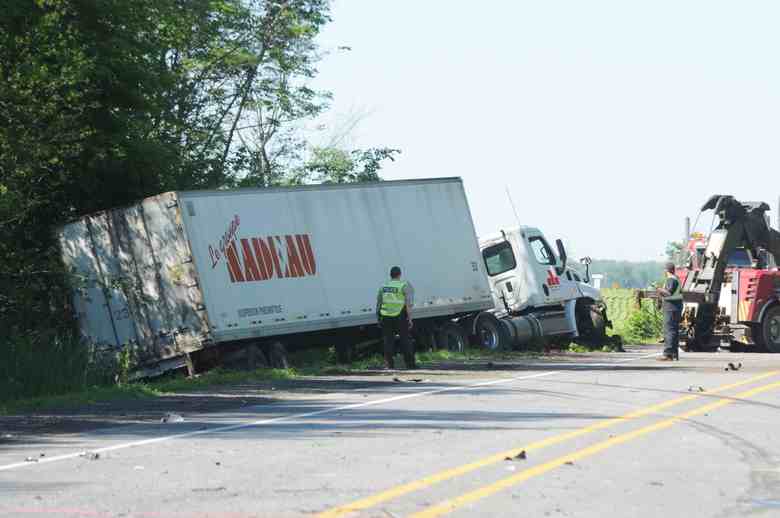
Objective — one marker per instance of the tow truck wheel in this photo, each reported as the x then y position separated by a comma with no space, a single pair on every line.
769,330
491,334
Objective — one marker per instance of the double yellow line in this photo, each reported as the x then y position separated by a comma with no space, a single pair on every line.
483,492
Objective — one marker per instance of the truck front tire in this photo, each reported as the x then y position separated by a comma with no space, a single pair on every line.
491,334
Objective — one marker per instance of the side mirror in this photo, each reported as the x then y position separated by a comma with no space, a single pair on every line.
586,261
562,254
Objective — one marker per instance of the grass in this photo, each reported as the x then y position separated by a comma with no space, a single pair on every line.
315,362
636,326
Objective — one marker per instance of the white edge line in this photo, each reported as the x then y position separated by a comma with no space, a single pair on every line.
280,419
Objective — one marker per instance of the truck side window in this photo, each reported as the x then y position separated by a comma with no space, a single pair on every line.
499,258
542,250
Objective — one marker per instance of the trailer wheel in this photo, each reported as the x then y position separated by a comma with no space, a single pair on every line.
491,334
452,337
344,353
425,338
769,330
277,356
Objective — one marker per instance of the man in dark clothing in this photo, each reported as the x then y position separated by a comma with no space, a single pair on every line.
672,309
394,313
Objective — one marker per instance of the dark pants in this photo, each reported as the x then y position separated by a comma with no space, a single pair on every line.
392,326
671,330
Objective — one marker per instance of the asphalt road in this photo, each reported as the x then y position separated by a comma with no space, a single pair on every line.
602,435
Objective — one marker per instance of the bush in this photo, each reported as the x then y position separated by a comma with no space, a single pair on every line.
645,324
33,366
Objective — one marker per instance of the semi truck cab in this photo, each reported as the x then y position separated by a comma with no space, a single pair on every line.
535,295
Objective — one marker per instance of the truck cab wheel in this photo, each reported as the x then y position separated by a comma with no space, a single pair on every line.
490,333
768,335
452,337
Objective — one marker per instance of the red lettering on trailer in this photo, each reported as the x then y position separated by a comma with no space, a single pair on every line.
233,265
307,255
293,259
264,258
251,271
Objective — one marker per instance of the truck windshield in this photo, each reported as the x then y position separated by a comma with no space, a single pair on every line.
499,258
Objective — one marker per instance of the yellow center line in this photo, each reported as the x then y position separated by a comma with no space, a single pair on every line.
448,506
403,489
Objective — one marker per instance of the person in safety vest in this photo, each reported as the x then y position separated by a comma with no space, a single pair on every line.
394,313
672,308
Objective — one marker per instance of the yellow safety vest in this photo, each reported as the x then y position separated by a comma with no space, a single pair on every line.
676,295
393,298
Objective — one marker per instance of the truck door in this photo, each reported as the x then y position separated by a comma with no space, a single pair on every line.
555,288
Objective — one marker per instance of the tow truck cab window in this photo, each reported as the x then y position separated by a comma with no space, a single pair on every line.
739,258
499,258
542,250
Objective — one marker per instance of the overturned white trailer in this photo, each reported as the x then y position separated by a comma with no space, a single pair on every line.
181,273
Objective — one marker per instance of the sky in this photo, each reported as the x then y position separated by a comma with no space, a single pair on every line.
609,122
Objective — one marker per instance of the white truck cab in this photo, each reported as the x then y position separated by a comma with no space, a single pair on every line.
534,293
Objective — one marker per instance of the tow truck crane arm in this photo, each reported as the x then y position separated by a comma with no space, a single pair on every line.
741,225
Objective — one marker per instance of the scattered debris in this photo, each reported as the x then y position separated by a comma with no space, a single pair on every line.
569,463
172,418
208,489
42,455
694,388
398,380
732,367
91,455
656,483
31,459
519,456
413,380
218,463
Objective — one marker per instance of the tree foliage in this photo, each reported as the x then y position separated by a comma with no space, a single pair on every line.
103,102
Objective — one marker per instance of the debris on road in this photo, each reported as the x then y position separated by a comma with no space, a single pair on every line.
208,489
172,418
569,463
732,367
31,459
694,388
413,380
91,455
519,456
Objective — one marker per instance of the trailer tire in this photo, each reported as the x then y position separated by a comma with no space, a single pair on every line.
425,338
769,330
452,337
344,353
491,333
255,357
277,356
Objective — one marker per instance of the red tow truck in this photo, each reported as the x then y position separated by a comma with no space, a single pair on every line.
731,282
